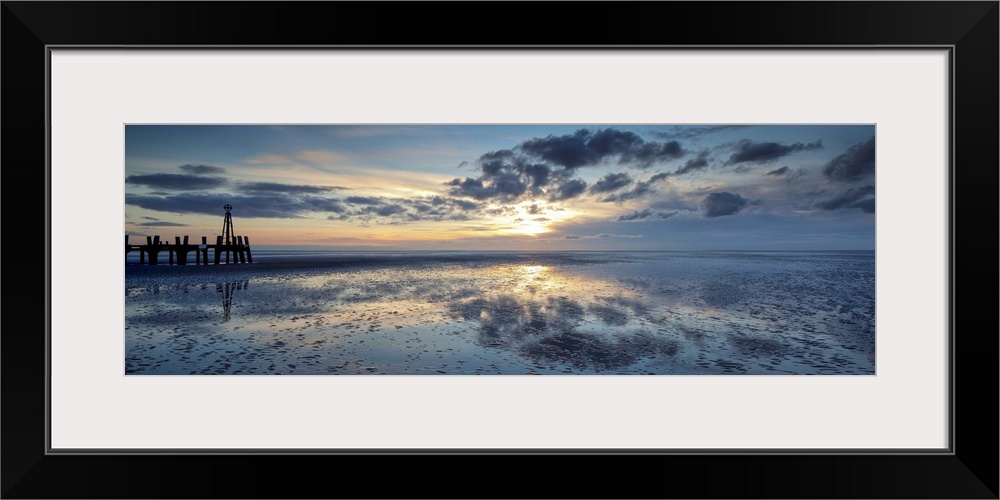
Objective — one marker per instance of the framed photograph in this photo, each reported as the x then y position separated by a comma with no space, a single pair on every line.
723,253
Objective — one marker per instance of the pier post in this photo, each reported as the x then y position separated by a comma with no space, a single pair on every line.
239,250
204,250
246,241
180,251
218,249
153,248
170,254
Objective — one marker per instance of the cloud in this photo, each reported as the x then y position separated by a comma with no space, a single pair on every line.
504,185
384,210
274,187
721,204
763,152
697,163
274,206
362,200
778,171
611,182
199,169
854,164
161,224
404,210
637,215
546,166
569,189
646,214
584,148
692,131
641,189
176,181
534,209
862,198
659,177
651,152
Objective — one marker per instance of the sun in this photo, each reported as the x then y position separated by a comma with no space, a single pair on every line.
529,227
532,217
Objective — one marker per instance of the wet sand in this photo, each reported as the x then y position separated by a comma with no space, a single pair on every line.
470,314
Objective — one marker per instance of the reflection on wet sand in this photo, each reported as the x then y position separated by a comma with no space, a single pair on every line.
227,289
536,316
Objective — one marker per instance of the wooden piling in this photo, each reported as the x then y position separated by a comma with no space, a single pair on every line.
218,249
239,250
246,241
153,249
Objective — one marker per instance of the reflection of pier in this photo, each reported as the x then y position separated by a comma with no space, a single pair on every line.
228,243
227,289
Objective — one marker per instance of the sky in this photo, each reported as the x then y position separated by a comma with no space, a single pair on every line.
507,187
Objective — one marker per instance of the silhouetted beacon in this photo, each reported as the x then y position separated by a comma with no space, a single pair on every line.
236,246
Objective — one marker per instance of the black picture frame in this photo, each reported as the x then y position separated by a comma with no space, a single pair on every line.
968,470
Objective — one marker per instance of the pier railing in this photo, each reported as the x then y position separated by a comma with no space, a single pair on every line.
238,247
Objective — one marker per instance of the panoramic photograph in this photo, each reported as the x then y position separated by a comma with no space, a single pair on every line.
566,249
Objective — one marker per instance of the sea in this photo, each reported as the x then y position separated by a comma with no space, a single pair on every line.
505,313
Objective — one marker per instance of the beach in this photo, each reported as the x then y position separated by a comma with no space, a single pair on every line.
572,313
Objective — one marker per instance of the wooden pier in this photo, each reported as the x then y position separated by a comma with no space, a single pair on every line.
227,243
178,252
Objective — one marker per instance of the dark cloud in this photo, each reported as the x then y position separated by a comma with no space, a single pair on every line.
202,169
862,198
503,185
779,171
637,215
500,211
611,182
384,210
568,189
856,163
534,209
404,210
275,187
692,131
584,148
150,218
659,177
646,214
697,163
176,181
161,224
763,152
721,204
652,152
362,200
641,189
463,204
274,206
546,166
325,205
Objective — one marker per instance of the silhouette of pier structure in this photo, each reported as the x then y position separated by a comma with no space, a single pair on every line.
227,243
